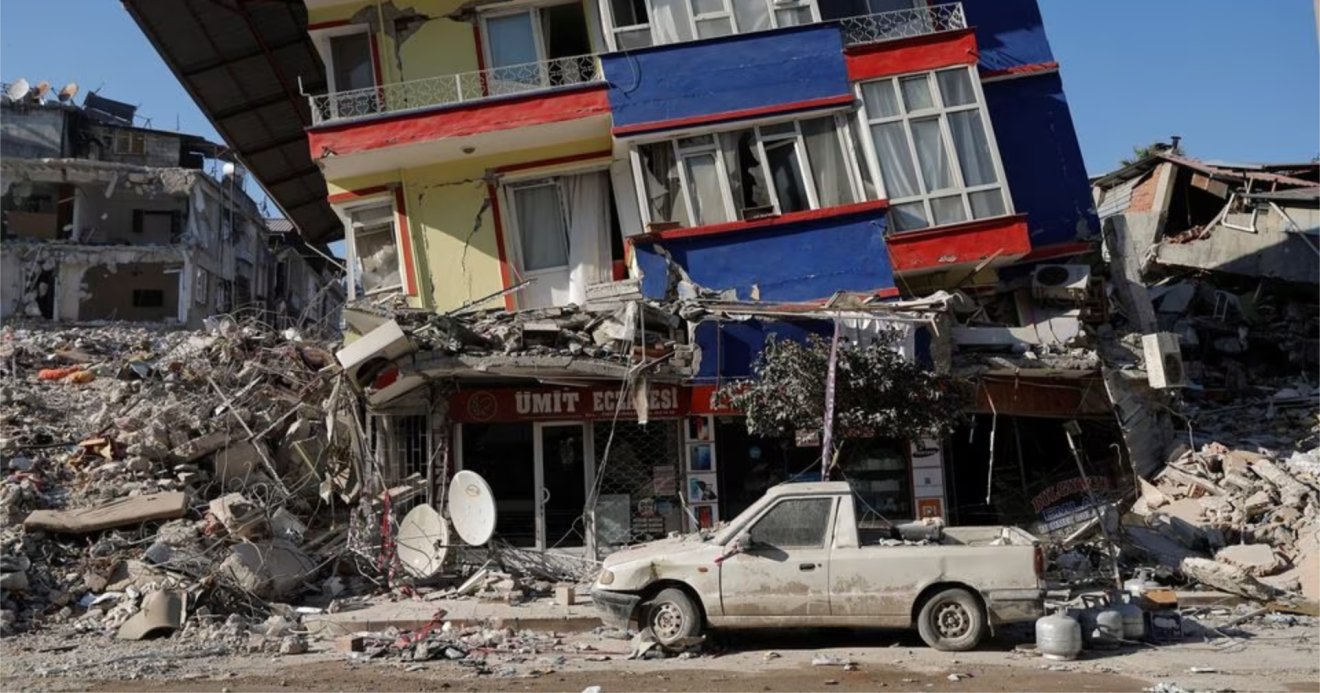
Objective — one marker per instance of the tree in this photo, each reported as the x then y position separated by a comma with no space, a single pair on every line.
878,393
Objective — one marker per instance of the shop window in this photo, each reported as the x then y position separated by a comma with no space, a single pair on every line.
374,248
747,173
640,23
934,149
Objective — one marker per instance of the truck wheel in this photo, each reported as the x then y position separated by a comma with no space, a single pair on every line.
952,620
671,616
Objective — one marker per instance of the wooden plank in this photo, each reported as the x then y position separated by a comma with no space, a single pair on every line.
119,513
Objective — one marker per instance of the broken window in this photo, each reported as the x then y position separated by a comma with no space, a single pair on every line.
933,148
641,23
376,257
750,172
351,64
130,142
798,523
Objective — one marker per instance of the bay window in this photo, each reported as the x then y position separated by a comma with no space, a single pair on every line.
934,149
748,172
640,23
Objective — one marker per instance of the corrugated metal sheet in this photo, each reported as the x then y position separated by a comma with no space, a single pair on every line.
1117,199
242,62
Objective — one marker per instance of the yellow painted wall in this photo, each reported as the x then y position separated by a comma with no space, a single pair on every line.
453,237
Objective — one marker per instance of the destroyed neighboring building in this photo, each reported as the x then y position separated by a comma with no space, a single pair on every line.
105,220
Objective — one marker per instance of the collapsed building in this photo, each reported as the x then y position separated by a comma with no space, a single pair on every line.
105,220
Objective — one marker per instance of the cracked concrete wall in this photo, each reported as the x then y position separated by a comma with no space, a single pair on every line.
452,220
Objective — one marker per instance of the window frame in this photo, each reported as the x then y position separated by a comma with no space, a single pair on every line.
321,39
843,138
507,192
611,31
538,33
866,121
345,213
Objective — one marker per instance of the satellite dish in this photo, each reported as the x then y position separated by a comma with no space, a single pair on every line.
66,94
39,93
18,89
423,541
472,507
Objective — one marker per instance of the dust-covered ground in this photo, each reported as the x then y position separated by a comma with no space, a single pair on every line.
1260,656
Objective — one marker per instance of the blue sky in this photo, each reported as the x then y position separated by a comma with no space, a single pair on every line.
1237,80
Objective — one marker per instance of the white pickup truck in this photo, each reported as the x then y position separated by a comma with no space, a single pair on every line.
796,558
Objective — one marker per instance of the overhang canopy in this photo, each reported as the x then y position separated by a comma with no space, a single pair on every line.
245,63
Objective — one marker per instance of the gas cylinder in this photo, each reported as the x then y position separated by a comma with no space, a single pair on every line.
1108,627
1058,636
1134,619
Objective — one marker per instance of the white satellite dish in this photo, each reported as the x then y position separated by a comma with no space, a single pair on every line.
422,541
472,507
18,89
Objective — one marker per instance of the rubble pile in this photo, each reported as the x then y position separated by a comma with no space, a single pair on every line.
152,474
1244,521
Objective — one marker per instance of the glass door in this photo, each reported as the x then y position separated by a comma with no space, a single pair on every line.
561,477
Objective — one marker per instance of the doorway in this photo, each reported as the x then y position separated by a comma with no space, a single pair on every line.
504,455
561,474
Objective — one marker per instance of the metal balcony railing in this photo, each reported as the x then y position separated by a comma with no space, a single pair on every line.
451,89
897,24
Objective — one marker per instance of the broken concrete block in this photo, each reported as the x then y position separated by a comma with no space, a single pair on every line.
239,516
119,513
1226,577
161,614
1256,504
268,570
564,595
1291,491
236,463
1257,559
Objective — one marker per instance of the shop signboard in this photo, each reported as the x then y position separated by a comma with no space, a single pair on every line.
596,403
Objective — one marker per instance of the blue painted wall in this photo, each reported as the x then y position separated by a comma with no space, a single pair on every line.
794,262
1009,33
1042,159
732,73
730,347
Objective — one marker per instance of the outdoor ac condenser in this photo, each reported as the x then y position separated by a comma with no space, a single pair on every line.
1061,283
1164,364
373,352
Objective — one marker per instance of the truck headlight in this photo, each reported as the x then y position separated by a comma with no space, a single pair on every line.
606,577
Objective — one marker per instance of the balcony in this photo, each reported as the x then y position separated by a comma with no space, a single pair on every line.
446,90
901,24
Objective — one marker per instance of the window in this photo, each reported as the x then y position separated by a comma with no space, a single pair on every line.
640,23
542,226
350,62
148,298
747,173
130,143
934,149
797,523
157,224
375,255
537,47
200,285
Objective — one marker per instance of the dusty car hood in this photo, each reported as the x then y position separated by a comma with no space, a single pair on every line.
654,549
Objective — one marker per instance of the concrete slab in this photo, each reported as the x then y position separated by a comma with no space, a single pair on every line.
542,614
1256,559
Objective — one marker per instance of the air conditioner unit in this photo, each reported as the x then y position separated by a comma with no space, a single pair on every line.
1164,364
1066,283
373,352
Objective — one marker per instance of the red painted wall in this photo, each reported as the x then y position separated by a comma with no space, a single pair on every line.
911,55
959,245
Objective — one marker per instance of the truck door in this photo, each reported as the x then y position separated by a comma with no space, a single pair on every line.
785,572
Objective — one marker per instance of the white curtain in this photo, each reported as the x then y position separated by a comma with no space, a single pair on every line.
931,155
707,198
541,228
663,187
752,15
973,149
828,169
589,221
670,21
891,147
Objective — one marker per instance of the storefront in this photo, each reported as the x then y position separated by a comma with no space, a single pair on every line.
547,451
